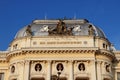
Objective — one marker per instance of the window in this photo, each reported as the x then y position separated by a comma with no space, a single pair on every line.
1,76
103,45
118,75
106,46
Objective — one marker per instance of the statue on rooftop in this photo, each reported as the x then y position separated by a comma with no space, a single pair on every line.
91,30
61,27
28,31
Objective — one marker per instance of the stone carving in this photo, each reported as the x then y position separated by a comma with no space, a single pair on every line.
28,31
60,67
44,28
61,27
38,67
91,30
81,67
12,69
77,28
108,67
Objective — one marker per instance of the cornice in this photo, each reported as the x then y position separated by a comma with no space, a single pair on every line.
106,52
3,56
52,50
60,50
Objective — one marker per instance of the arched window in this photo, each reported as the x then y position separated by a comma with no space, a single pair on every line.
104,45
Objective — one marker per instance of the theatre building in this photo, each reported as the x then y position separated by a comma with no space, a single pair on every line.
60,50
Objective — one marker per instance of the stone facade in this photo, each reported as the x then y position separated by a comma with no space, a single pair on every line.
60,57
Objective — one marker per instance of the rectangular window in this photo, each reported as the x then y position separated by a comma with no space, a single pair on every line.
1,76
118,75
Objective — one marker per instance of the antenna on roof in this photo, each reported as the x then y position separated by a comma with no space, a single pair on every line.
45,16
74,16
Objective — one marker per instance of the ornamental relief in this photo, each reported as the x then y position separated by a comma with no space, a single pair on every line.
37,67
60,67
12,69
108,67
81,66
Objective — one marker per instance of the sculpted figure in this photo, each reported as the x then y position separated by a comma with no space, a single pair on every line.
77,28
61,27
28,31
91,30
45,28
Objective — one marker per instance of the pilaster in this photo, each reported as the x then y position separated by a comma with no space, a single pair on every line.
49,70
27,70
93,70
99,70
71,75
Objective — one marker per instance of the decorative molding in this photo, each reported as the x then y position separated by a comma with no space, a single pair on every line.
51,50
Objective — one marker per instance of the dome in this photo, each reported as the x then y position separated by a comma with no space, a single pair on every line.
60,27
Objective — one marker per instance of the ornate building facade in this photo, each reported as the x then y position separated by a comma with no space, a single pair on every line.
60,50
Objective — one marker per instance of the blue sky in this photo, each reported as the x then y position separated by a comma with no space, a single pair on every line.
15,14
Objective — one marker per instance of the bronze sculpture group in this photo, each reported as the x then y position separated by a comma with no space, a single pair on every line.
61,29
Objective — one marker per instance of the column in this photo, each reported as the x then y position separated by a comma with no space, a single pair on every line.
49,70
93,70
26,70
71,76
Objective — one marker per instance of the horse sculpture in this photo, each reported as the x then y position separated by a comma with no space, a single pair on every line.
76,28
44,29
